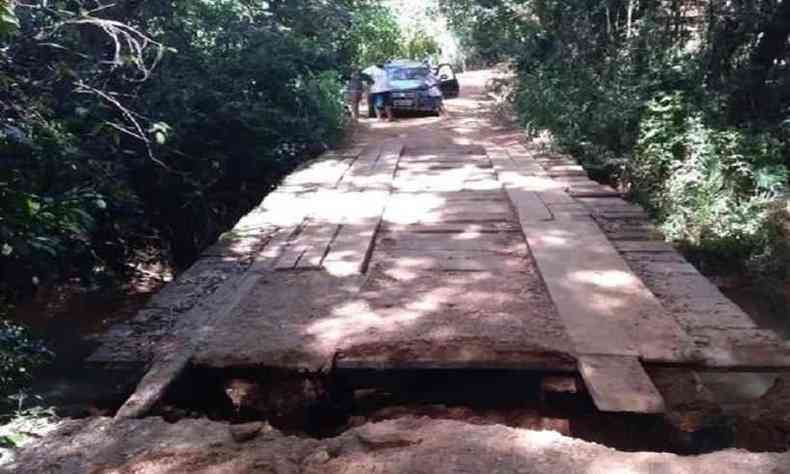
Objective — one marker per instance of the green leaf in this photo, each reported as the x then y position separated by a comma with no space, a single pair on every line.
9,23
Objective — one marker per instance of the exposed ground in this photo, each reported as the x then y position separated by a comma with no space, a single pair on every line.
406,445
447,268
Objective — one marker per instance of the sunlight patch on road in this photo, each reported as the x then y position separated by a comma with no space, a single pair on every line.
605,278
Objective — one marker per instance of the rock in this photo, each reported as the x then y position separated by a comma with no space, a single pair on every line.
244,394
245,432
561,384
280,397
317,458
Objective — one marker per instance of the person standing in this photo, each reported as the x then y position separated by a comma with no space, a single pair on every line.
354,89
380,91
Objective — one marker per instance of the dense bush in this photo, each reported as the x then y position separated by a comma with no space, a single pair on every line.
142,131
20,355
712,188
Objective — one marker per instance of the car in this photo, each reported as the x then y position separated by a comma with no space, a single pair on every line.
413,88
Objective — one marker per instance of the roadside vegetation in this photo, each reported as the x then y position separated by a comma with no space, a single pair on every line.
685,104
133,133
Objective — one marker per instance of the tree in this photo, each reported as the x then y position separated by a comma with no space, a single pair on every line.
374,36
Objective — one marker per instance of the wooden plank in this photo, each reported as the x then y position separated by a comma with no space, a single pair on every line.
653,246
463,217
605,307
603,193
446,260
556,196
308,248
363,172
565,168
464,241
284,321
569,211
454,227
239,244
620,384
350,252
569,172
324,171
451,319
428,208
318,246
610,204
172,359
281,208
528,205
513,360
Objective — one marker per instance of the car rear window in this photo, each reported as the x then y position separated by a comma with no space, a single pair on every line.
408,74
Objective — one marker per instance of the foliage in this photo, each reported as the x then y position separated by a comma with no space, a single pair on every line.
117,147
712,188
489,31
421,46
25,426
375,36
20,354
8,20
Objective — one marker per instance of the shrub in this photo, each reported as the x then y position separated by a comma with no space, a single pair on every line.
20,354
710,187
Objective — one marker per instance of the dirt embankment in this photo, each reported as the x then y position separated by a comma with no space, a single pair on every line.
407,445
